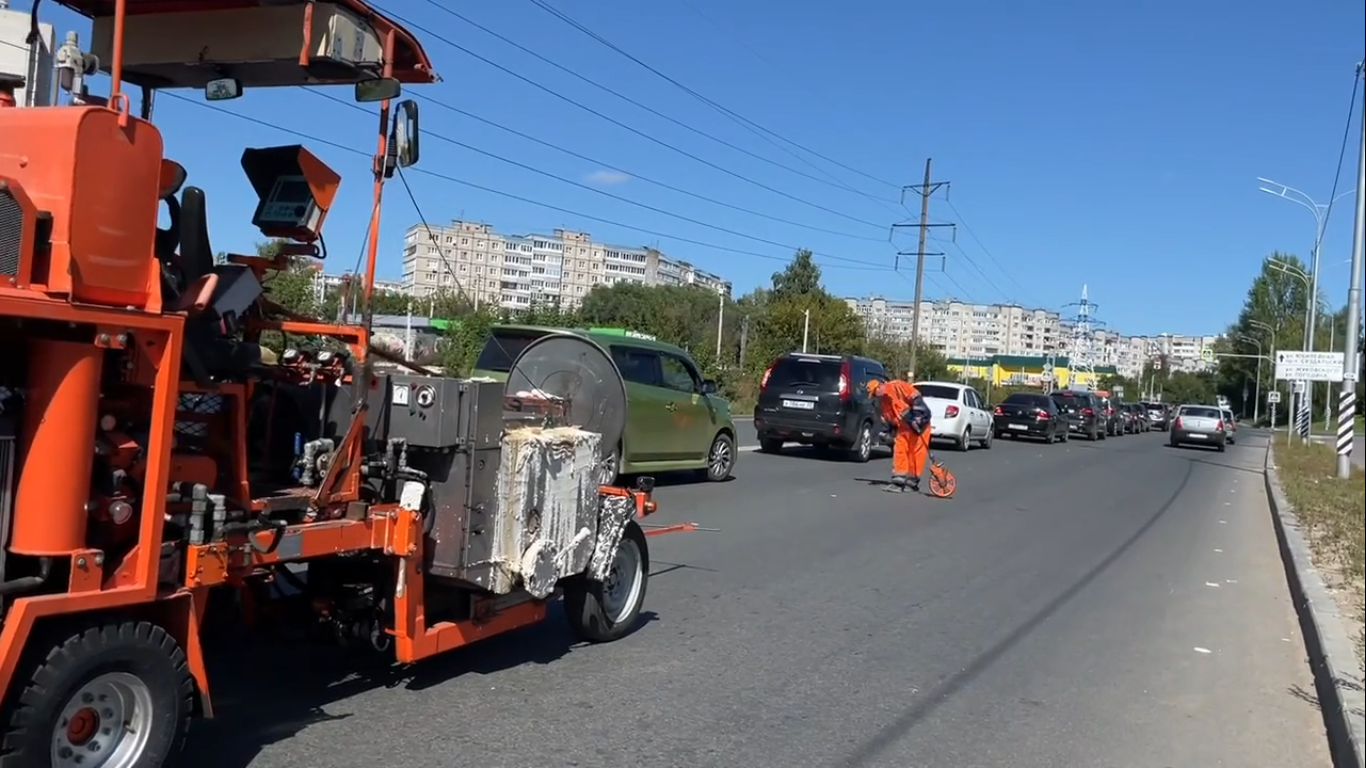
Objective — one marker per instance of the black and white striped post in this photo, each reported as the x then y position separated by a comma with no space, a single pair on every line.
1347,414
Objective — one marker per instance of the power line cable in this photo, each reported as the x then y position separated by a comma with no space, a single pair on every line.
624,126
590,188
634,175
973,234
607,89
856,265
738,118
1342,153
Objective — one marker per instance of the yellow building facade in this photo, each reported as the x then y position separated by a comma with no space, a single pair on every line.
1024,371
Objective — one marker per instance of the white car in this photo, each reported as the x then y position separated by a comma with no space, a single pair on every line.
959,413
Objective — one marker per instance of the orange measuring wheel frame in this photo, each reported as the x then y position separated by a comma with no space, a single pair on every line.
942,481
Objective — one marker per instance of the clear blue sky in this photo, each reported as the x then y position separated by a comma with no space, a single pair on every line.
1112,144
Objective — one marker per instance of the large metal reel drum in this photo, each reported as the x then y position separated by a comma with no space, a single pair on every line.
582,376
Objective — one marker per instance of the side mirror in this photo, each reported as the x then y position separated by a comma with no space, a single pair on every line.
223,89
378,89
709,387
404,141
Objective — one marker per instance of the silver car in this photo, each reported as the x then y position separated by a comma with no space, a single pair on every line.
1199,425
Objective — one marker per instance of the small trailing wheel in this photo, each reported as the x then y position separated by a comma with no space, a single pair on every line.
862,449
721,458
607,610
115,695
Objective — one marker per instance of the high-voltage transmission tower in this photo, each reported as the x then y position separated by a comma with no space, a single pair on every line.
1081,351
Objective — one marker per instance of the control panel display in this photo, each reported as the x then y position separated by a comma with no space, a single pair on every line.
290,203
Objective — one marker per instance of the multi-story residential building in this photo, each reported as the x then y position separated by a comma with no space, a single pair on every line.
515,271
1181,352
964,329
34,63
974,331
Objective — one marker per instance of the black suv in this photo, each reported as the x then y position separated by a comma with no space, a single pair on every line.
819,400
1084,411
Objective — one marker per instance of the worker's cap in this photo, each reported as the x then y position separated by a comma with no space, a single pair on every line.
873,384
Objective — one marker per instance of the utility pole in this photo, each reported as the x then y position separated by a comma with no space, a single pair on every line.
929,187
744,339
806,328
1351,366
720,324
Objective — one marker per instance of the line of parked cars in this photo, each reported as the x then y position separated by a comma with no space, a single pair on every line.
822,401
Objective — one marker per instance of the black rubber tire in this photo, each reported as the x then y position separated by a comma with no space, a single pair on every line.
770,445
711,472
862,449
964,441
138,648
583,598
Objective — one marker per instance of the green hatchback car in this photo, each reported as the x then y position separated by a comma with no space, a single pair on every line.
675,420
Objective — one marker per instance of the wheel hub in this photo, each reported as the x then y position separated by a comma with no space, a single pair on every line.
620,588
105,724
720,457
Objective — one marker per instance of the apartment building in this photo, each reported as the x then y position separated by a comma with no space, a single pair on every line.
515,271
965,329
1131,354
34,63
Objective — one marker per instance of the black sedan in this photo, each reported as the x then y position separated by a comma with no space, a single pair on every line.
1028,415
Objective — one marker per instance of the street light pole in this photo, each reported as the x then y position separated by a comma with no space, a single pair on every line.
1350,364
1319,212
1257,394
1297,399
1270,332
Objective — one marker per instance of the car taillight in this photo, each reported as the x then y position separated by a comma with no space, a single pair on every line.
763,382
1043,415
950,411
1176,424
1219,427
1000,412
844,380
1088,412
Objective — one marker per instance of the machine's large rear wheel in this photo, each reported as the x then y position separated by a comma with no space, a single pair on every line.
115,695
607,610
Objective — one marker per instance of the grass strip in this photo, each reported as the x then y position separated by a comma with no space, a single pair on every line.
1333,513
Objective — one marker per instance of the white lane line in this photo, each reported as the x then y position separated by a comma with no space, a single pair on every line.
1214,584
1198,649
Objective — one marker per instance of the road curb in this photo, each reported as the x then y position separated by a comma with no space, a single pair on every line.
1332,656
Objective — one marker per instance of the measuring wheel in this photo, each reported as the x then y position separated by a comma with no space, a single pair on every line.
607,610
942,481
116,695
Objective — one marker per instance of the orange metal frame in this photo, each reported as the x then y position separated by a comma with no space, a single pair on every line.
130,585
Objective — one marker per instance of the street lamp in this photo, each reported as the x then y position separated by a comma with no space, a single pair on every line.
1257,395
1320,213
1271,334
1311,307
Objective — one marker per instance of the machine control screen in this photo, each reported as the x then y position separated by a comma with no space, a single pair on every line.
289,203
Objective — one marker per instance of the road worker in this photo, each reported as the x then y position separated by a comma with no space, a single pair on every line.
908,418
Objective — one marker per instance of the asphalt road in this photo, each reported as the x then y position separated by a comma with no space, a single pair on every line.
1110,605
